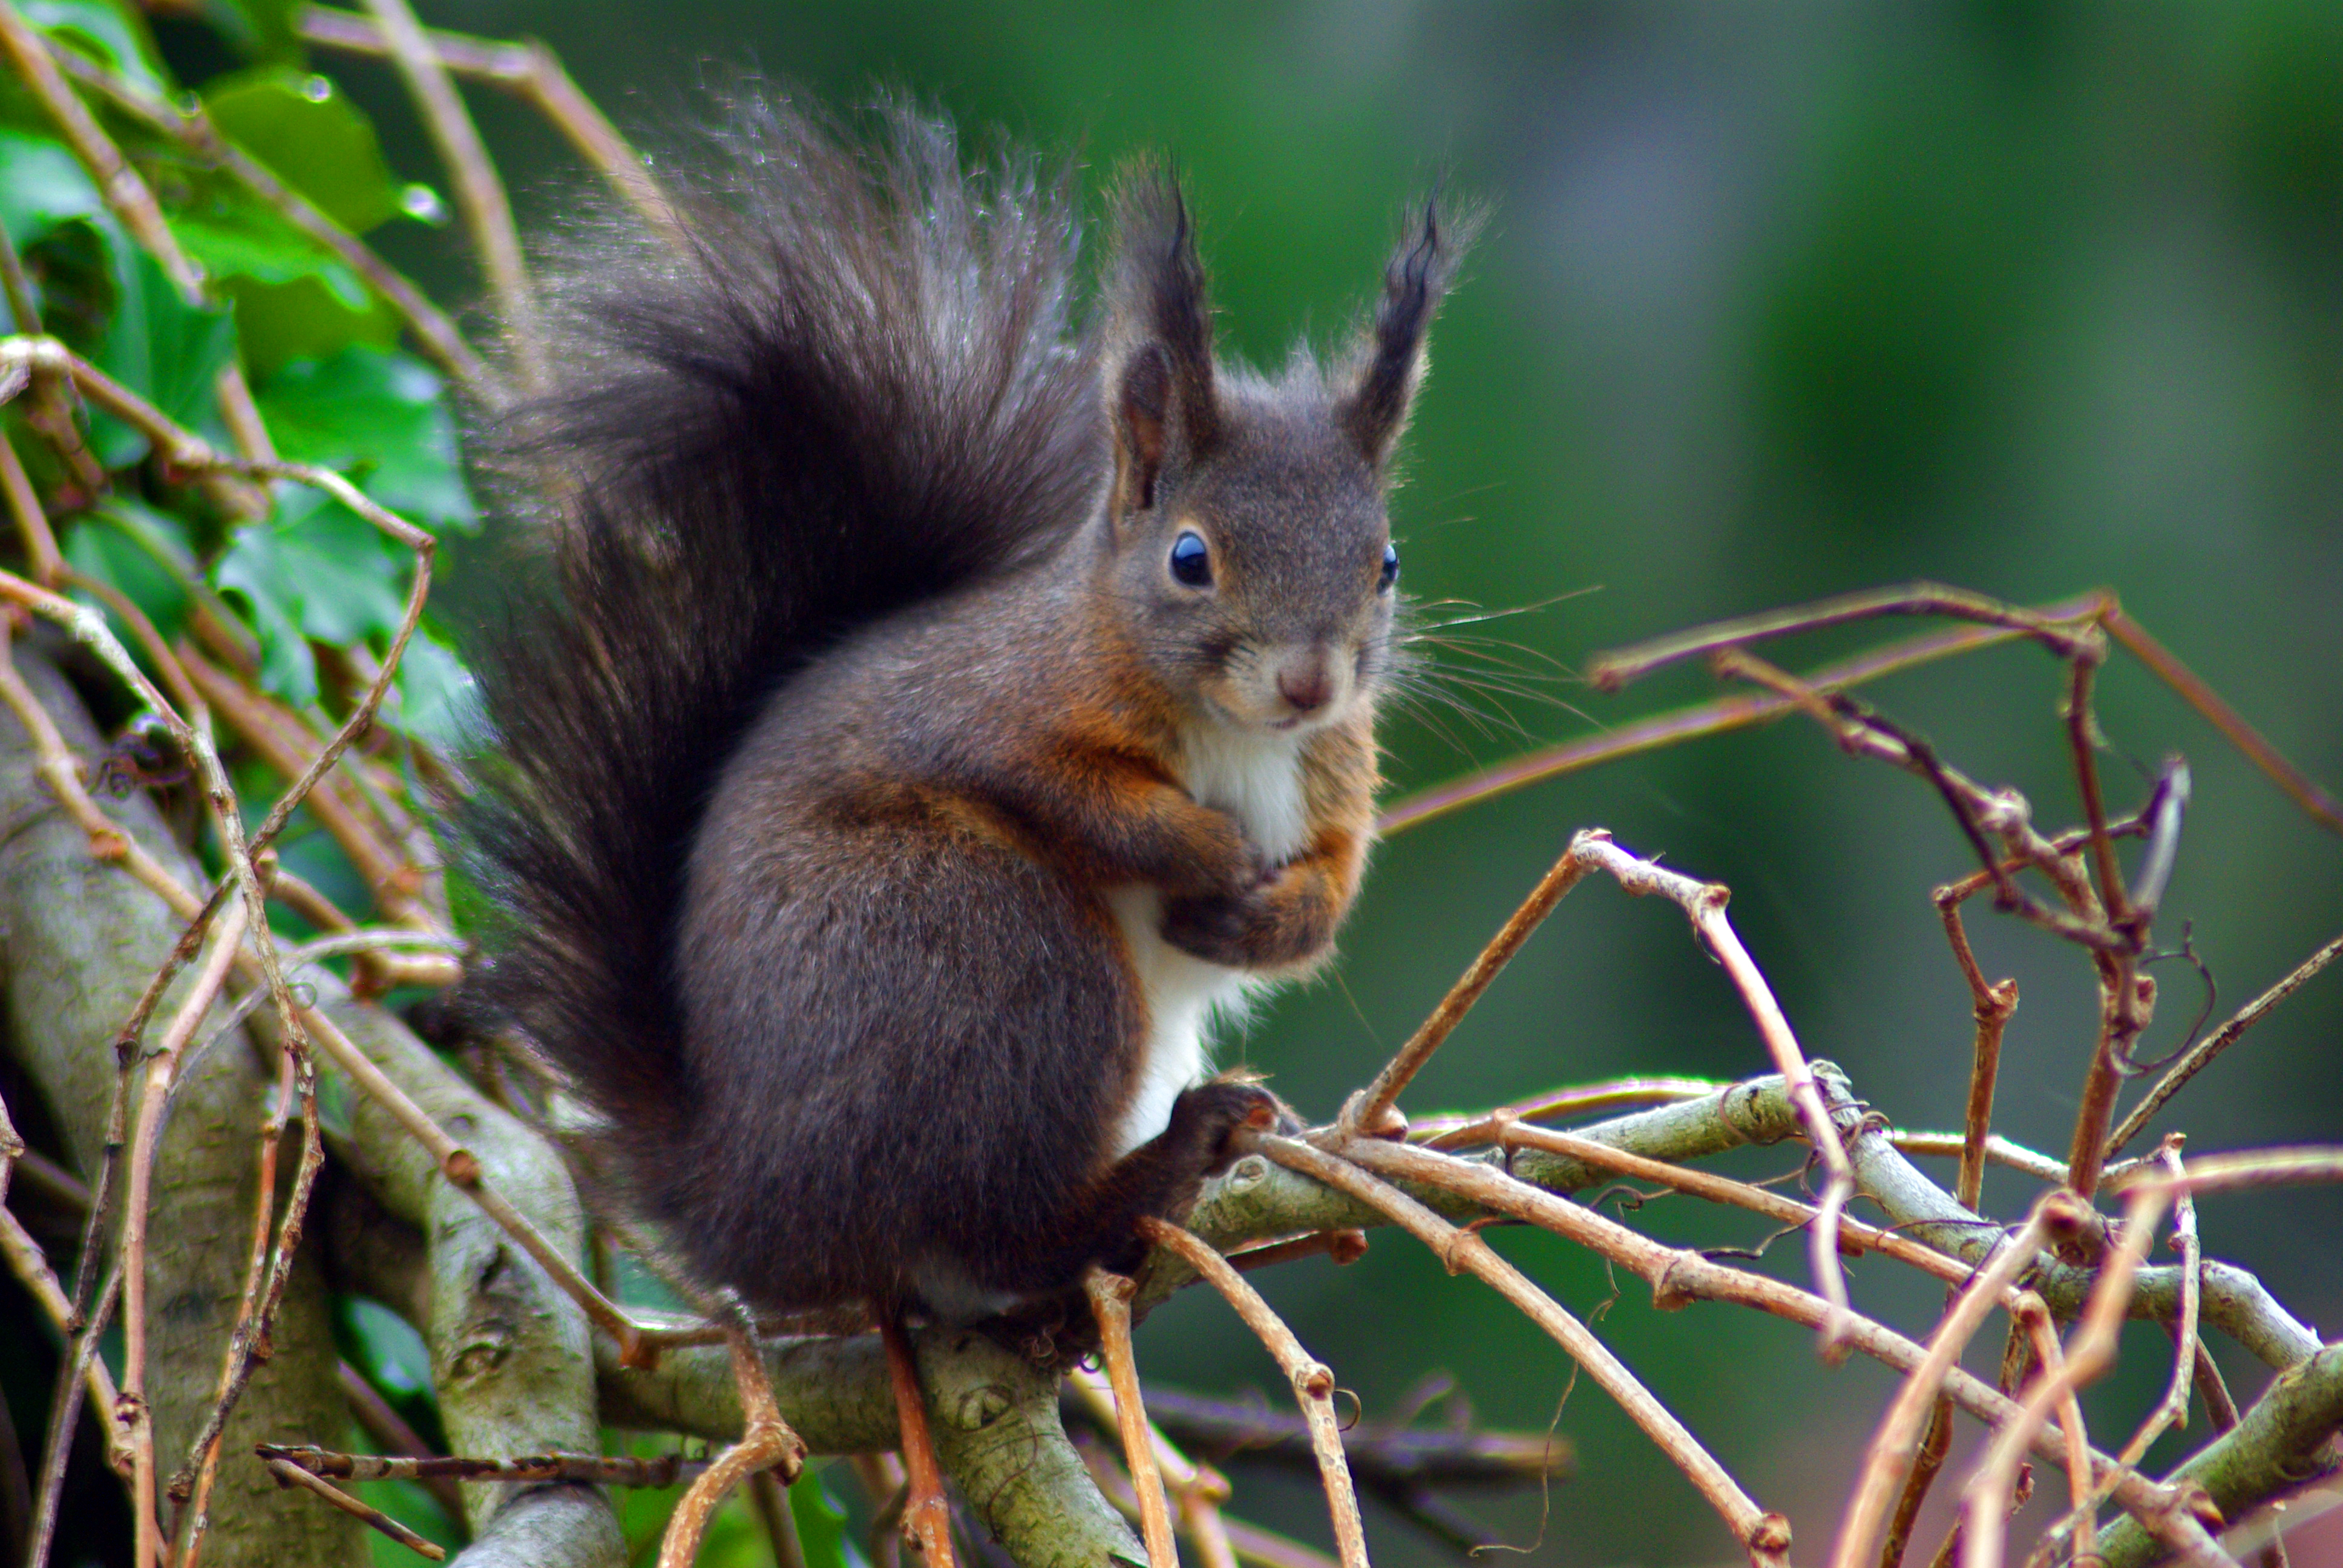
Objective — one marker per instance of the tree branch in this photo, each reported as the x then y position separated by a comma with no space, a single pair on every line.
82,938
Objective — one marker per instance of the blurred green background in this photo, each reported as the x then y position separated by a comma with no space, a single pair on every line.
1777,301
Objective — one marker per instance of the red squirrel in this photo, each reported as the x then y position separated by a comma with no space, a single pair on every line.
932,713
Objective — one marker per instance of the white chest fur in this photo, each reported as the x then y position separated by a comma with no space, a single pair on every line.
1256,778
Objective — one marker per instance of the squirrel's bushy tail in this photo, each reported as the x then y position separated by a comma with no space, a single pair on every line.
853,388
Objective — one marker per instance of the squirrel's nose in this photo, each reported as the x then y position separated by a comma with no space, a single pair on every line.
1305,682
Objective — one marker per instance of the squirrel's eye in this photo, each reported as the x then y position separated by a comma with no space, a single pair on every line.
1192,563
1391,569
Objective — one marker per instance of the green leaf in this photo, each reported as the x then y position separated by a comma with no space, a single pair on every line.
432,698
163,348
313,137
116,36
261,29
125,544
389,1349
383,417
334,572
253,242
313,570
280,322
41,185
822,1524
287,669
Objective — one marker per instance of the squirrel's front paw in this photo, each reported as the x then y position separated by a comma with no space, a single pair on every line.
1281,919
1208,1117
1211,925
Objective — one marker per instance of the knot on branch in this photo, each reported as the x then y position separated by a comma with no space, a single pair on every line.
1769,1538
1667,1294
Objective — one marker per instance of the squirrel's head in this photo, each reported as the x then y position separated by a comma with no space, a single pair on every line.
1246,529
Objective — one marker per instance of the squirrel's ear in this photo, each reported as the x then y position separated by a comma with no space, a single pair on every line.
1380,383
1159,363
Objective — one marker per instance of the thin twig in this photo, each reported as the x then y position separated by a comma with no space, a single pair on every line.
1370,1110
479,192
187,452
41,551
1764,1535
288,1474
657,1473
1991,1005
1313,1384
1450,1129
2082,735
17,289
142,631
31,1267
392,1437
2296,784
765,1443
77,1365
161,1072
227,818
1855,1235
1344,1247
770,1499
1927,1463
1389,1456
1197,1491
926,1515
1717,717
1999,1151
1110,1295
1616,669
2050,1357
246,715
192,128
1249,1542
1985,1500
1703,903
2199,1055
1677,1276
195,1496
126,193
130,198
2174,1407
1889,1458
2082,1518
531,70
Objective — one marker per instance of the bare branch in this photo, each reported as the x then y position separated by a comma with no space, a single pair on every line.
289,1474
1314,1385
1371,1110
1897,1437
1704,904
2278,1443
1719,717
1110,1296
2201,1054
2297,785
1764,1535
765,1443
479,192
529,69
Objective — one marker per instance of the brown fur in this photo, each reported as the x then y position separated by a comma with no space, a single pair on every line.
878,1036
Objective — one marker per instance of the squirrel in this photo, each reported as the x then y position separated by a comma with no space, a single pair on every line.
933,714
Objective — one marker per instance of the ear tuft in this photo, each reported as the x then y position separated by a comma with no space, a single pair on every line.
1389,364
1160,390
